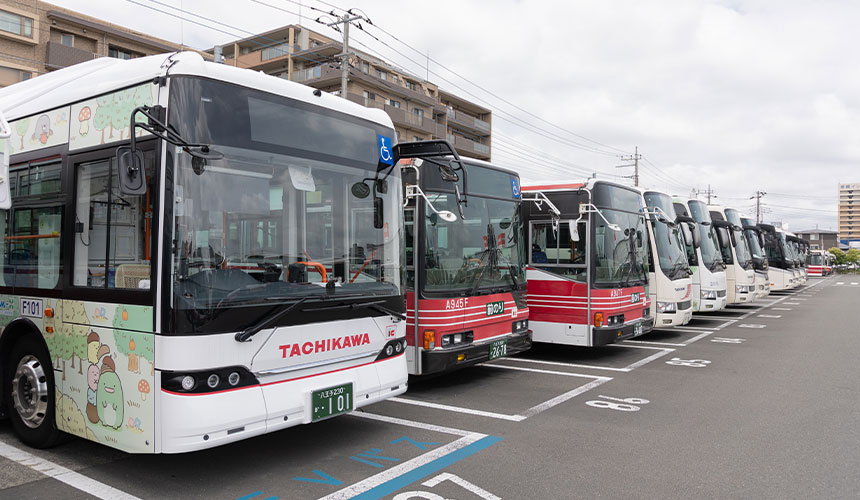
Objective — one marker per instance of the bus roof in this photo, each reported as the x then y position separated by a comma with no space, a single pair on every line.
105,74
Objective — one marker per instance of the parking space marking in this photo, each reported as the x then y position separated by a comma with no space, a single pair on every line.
684,344
400,476
625,369
458,409
770,316
534,410
781,308
74,479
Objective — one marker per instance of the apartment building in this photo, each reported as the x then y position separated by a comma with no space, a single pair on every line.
849,211
819,239
418,108
37,37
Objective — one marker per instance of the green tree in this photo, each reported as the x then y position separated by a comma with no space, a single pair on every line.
852,256
838,254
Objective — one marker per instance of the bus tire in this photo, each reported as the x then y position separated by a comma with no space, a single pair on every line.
29,396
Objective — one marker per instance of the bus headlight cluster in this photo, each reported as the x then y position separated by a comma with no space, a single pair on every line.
666,307
392,348
616,320
520,326
709,295
742,288
455,339
214,380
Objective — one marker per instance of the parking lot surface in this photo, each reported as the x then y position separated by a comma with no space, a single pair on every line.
757,401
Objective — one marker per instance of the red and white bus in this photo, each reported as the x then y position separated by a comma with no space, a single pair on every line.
818,263
588,263
465,260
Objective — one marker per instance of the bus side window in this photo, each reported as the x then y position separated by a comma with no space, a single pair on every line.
32,249
113,232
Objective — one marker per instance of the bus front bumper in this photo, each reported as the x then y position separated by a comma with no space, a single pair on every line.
441,360
609,335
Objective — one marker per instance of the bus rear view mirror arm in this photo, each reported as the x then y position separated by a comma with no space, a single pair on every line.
413,191
588,208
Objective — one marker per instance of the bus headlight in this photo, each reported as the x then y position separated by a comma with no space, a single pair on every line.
709,294
217,379
666,307
742,288
520,326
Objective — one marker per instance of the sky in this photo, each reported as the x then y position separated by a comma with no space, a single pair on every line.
739,96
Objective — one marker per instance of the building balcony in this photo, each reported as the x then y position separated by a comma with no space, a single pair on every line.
469,147
469,122
63,56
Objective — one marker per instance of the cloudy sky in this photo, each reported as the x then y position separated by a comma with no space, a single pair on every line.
741,95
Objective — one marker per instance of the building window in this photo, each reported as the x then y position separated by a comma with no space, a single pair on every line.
365,67
8,76
416,138
418,112
67,39
381,74
392,103
409,85
119,53
13,23
813,237
369,97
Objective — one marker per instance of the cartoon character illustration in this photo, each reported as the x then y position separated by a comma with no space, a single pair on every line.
95,351
84,117
100,313
92,386
43,129
134,424
109,399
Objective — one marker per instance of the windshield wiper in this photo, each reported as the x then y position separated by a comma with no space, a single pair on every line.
376,304
252,330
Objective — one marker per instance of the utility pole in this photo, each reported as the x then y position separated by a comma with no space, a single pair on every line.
709,192
346,20
757,196
635,157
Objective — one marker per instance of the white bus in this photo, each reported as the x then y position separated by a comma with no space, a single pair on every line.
755,242
781,266
202,283
740,275
670,286
709,271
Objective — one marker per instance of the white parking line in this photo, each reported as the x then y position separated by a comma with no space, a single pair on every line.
75,480
534,410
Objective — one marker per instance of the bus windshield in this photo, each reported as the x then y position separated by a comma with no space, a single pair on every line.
814,260
620,257
752,240
482,251
277,218
709,245
742,251
671,253
786,249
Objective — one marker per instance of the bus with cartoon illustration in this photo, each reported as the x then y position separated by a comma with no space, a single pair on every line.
587,263
465,260
196,255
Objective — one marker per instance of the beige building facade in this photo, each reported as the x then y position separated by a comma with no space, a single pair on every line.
849,211
37,37
418,108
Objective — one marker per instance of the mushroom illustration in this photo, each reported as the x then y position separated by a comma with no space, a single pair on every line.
143,387
84,117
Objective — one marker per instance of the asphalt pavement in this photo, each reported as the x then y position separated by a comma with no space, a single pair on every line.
758,401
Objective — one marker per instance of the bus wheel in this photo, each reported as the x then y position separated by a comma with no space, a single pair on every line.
30,394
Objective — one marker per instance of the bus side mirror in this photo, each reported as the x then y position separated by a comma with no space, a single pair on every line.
697,238
378,213
572,229
132,179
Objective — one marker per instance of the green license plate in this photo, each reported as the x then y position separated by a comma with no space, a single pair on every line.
330,402
498,349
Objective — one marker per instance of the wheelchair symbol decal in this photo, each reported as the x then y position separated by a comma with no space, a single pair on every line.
385,155
515,188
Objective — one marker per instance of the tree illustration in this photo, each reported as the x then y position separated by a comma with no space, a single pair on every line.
21,127
135,345
103,117
120,113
